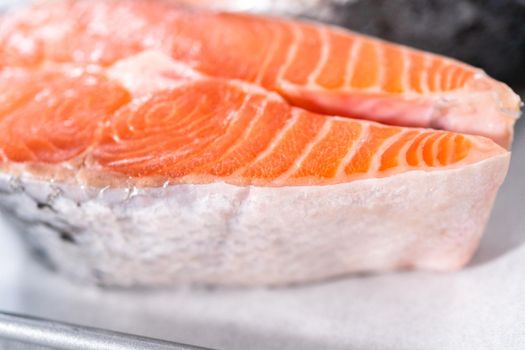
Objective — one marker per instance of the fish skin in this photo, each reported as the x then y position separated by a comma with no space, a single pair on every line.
223,234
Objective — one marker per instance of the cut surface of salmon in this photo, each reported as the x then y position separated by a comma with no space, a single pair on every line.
317,67
208,129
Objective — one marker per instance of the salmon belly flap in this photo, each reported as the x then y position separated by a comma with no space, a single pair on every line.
180,145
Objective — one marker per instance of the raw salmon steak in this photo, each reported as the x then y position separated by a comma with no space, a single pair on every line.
137,148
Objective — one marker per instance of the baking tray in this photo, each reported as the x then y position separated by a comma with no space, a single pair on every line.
23,332
480,307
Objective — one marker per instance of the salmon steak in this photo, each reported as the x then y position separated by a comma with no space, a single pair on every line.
150,143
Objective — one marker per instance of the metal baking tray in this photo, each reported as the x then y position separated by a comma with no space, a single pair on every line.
23,332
